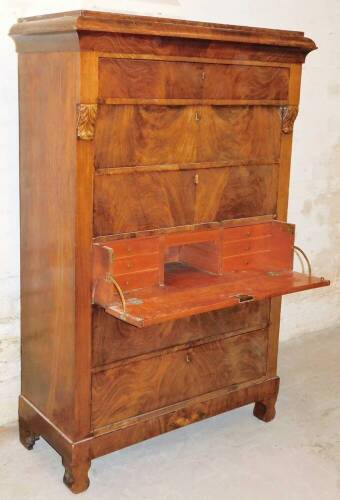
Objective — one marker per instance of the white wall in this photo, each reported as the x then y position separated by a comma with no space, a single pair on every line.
315,182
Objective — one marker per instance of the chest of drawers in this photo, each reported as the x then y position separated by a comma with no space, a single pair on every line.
154,173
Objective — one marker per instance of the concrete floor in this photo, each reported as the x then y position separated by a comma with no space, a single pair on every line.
231,457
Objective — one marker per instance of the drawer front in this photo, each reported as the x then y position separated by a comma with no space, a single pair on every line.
248,232
156,135
249,245
243,262
140,201
140,279
115,340
135,264
130,247
245,247
147,79
144,385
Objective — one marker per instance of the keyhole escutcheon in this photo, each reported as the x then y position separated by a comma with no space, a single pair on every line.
197,116
196,179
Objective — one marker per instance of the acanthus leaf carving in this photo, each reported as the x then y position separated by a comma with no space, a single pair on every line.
86,121
288,116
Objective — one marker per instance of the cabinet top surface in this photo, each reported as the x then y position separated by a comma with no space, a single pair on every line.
85,20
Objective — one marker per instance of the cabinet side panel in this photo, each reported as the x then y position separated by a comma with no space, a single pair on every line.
282,208
48,94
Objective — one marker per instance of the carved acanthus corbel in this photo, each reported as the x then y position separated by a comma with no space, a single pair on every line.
86,121
288,115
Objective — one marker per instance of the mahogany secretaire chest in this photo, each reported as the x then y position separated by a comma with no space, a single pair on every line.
154,173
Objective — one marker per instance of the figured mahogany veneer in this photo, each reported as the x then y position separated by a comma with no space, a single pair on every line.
154,168
127,390
119,78
182,197
115,340
126,135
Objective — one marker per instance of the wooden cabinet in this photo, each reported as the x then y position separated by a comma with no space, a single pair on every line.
154,174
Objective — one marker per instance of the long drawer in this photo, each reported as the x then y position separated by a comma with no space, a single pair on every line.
155,135
143,385
114,340
152,79
150,200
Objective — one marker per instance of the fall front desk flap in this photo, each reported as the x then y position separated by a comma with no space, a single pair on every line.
149,280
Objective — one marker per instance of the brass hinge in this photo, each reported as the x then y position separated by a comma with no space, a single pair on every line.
86,121
288,115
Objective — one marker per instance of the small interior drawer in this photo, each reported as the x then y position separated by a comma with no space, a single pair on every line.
129,247
153,79
135,264
137,280
133,388
247,245
126,265
242,233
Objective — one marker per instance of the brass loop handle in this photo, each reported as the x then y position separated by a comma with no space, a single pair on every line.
111,279
299,250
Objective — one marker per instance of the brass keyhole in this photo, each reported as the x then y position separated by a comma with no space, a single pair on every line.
196,179
203,75
197,116
188,358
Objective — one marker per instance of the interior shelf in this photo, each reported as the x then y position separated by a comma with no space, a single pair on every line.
146,281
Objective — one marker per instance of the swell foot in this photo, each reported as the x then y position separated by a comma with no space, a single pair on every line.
265,410
26,436
76,476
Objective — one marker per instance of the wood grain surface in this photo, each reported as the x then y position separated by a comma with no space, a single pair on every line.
142,386
120,43
94,21
185,80
148,306
115,340
146,135
134,430
47,217
179,198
